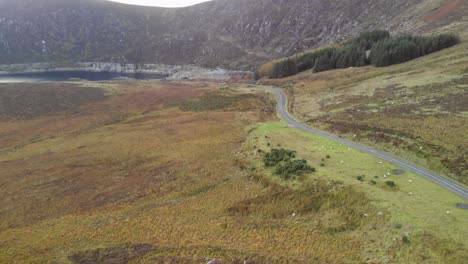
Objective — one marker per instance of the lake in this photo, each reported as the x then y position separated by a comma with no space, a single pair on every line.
58,76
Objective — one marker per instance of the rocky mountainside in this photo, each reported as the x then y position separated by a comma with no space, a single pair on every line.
236,34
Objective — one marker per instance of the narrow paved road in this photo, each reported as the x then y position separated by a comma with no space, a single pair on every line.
448,184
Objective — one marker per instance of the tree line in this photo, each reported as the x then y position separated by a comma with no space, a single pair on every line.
376,48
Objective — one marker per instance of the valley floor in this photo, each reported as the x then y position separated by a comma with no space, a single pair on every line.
172,172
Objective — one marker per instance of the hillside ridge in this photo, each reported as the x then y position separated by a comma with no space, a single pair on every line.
239,34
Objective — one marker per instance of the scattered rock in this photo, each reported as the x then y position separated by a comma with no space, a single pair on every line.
380,213
398,172
462,206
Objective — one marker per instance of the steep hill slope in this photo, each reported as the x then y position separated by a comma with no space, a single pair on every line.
234,34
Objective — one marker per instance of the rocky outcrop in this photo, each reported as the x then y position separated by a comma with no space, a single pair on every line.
234,34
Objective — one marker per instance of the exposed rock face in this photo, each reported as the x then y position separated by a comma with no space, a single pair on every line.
235,34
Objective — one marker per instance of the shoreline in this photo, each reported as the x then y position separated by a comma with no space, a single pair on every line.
171,72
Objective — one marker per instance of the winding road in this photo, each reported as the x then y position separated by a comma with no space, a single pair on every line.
448,184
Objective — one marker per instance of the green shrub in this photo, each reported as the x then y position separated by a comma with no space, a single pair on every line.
288,169
391,184
285,165
278,155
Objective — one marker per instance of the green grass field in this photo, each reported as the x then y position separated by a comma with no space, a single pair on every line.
416,205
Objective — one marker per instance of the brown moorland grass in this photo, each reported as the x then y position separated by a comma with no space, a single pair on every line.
156,184
98,163
27,100
132,179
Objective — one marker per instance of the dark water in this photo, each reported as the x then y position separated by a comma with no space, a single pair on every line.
73,75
